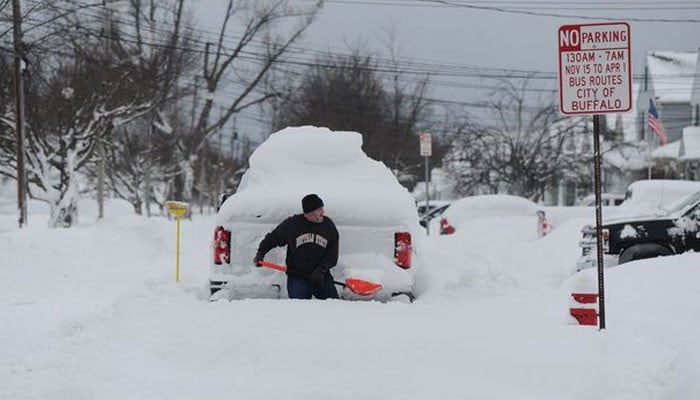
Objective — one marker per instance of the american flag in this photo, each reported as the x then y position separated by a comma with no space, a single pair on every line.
655,123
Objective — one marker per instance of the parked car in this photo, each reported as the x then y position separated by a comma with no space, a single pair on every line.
656,195
375,216
435,212
432,205
467,209
635,238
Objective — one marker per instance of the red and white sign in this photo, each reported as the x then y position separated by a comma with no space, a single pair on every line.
426,144
595,74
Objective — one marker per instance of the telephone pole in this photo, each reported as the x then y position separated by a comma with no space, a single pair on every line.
100,143
19,111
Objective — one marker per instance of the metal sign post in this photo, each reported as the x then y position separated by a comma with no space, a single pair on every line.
426,150
595,77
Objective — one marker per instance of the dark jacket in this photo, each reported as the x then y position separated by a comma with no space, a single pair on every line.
309,244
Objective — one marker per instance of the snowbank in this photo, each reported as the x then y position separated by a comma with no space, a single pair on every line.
93,312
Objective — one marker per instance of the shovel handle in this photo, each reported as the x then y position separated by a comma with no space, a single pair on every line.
272,265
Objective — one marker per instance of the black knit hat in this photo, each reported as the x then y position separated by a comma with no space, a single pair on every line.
311,202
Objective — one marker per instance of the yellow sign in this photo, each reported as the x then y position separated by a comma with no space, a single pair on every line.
177,208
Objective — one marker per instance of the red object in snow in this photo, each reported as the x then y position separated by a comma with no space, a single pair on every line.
587,312
402,249
585,298
446,228
222,246
585,316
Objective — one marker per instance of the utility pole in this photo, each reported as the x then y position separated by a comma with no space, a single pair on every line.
19,111
100,144
147,179
195,103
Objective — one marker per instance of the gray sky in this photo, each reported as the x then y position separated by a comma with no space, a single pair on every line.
455,33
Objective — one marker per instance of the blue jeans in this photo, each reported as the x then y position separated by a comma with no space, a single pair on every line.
299,287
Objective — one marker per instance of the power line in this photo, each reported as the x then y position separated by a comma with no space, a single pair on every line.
423,69
401,66
515,10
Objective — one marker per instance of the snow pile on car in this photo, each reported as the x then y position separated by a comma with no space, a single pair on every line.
656,195
301,160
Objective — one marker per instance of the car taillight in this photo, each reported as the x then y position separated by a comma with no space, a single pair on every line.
222,246
445,227
402,249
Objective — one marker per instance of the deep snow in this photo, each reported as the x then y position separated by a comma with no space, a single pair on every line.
93,312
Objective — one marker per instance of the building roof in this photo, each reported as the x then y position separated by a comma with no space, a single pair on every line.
671,75
670,150
686,149
626,157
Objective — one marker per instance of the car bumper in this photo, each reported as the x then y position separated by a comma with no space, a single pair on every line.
265,283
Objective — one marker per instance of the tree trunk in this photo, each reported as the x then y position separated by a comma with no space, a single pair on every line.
64,212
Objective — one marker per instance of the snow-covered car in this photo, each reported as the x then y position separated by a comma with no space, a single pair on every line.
635,238
468,209
656,195
435,211
376,217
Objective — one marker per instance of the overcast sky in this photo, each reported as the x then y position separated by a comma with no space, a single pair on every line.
491,36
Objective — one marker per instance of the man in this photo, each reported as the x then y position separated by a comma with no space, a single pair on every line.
312,250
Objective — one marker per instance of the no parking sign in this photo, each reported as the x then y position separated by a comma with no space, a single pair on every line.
595,74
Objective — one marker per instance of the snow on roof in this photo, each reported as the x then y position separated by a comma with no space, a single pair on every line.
488,205
672,74
670,150
690,151
626,157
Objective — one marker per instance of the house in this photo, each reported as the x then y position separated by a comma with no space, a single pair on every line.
669,80
695,95
680,158
672,81
625,159
630,151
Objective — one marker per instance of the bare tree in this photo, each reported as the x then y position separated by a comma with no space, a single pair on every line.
264,31
342,93
83,83
521,150
140,160
7,130
409,111
349,93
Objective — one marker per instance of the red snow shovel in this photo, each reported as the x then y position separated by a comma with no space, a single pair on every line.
357,286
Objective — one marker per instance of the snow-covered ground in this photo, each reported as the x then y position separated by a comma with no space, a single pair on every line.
93,312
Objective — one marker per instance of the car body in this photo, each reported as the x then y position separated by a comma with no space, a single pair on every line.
633,238
468,209
376,217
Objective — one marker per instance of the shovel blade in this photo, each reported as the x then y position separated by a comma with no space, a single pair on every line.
362,287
